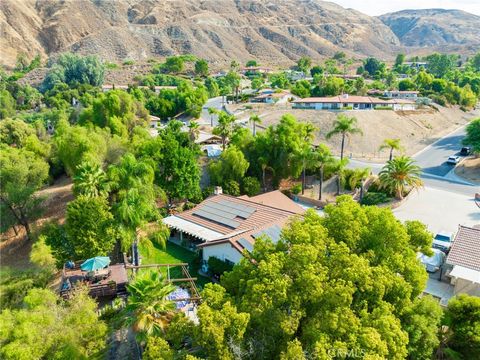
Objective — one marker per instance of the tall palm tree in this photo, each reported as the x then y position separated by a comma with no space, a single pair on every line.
148,310
255,119
211,112
193,130
345,126
392,144
264,165
90,180
307,156
400,173
225,127
323,158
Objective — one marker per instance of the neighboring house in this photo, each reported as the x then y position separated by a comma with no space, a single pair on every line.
416,64
256,70
349,102
224,226
464,257
396,94
157,89
272,97
205,138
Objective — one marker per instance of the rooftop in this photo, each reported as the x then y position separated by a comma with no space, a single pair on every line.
352,99
465,250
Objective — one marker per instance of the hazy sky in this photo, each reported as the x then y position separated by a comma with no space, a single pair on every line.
378,7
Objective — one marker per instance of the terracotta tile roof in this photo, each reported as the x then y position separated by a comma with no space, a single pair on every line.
465,249
264,214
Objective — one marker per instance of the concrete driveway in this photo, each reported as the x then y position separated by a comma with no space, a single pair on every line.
439,209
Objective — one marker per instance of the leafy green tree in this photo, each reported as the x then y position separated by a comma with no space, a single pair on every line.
279,81
316,70
306,156
231,187
339,167
250,186
22,174
374,66
440,64
330,86
476,62
463,319
420,236
212,87
400,59
173,64
47,327
8,104
71,68
257,83
392,144
399,174
231,165
148,310
201,67
232,80
301,88
342,282
344,126
157,348
88,232
15,132
225,127
473,135
42,256
251,63
90,181
322,159
406,85
304,64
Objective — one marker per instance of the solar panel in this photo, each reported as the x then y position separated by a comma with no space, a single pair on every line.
245,244
243,211
218,211
273,232
214,217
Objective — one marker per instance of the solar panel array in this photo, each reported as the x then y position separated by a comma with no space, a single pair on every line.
273,232
245,244
224,212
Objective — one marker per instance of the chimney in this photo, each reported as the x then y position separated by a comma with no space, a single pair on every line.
345,96
218,190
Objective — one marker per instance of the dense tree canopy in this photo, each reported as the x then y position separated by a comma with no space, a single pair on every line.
473,135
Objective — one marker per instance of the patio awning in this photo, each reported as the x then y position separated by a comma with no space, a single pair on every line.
192,229
466,274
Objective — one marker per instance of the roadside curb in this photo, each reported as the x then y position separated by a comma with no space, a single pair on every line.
446,178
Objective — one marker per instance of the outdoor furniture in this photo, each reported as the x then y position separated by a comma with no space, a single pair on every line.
95,263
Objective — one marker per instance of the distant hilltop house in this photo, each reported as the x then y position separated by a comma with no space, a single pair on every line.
269,96
224,226
157,89
349,102
256,70
395,94
416,64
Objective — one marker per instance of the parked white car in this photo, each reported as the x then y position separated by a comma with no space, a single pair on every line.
453,160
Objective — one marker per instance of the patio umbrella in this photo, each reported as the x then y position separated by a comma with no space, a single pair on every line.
96,263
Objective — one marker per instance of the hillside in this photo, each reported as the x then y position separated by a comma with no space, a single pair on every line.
434,27
276,32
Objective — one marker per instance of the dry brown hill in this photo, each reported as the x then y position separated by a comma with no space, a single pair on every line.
276,32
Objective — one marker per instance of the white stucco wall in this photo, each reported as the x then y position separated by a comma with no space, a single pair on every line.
223,252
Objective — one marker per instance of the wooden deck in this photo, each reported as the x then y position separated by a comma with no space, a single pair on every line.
113,285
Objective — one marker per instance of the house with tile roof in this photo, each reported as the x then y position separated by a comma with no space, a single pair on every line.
225,226
464,257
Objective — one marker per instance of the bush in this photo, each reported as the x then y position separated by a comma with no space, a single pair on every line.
296,189
128,62
375,198
231,187
251,186
217,266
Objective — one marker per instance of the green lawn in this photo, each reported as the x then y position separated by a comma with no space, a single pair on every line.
173,254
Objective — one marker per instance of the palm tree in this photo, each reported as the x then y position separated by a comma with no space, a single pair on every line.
339,167
193,130
211,112
345,126
307,156
255,119
148,310
323,158
225,127
264,164
400,173
392,144
90,180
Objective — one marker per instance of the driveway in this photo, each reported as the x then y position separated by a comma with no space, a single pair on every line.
439,209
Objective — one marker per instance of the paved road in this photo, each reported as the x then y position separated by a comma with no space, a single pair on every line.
433,159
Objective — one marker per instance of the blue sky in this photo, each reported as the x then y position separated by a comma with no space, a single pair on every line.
378,7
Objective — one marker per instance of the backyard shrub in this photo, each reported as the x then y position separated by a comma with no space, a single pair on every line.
375,198
296,189
217,266
251,186
231,187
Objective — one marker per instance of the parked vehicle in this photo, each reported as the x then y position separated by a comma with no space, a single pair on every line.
443,241
433,263
453,160
465,151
